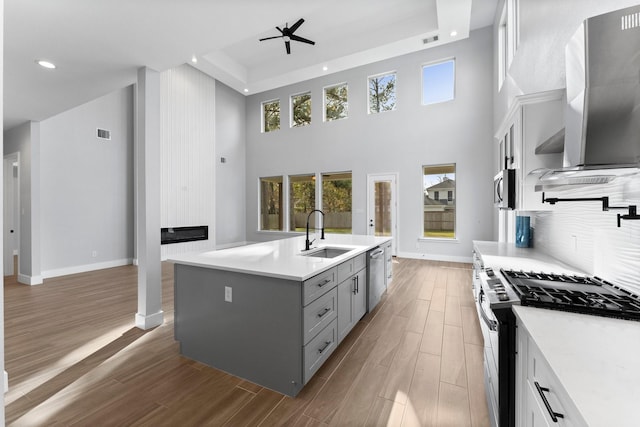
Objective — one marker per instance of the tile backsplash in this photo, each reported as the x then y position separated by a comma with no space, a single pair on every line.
584,236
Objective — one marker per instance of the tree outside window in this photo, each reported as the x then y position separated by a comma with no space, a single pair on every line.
301,109
271,115
302,200
335,102
336,202
271,203
439,213
382,93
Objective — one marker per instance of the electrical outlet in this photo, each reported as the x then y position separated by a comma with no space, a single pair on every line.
94,254
228,294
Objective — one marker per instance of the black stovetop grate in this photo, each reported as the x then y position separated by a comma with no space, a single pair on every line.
588,295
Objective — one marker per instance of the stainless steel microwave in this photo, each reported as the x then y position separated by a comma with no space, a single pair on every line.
504,189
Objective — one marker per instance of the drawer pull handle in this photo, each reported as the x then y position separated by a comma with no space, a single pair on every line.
355,284
324,312
326,345
554,415
324,282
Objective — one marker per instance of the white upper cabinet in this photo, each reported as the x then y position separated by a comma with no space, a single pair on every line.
530,138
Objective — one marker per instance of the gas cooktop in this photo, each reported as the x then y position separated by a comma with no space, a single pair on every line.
581,294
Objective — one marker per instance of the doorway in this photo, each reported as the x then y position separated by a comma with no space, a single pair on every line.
11,212
382,207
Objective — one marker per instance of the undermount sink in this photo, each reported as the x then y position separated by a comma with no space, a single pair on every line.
326,252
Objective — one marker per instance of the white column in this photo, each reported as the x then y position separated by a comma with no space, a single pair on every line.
149,313
5,381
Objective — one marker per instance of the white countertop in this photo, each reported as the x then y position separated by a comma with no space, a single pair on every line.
506,255
281,258
596,359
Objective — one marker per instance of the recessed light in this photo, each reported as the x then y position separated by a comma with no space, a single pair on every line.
454,33
45,64
246,90
325,68
194,59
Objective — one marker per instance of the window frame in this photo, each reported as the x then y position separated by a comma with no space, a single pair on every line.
291,214
454,238
321,194
262,115
292,124
395,92
282,204
453,77
324,102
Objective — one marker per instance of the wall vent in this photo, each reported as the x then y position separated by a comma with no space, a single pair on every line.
630,21
104,134
430,40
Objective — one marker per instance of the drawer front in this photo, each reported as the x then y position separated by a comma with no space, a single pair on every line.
545,386
319,349
359,262
318,285
345,270
319,314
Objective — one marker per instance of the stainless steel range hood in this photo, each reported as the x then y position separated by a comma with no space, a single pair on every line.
602,118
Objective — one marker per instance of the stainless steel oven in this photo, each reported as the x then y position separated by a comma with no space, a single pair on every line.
504,189
497,323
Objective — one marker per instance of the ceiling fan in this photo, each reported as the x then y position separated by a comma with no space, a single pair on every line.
287,34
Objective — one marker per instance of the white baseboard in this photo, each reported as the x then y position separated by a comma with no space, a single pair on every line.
84,268
30,280
435,257
149,321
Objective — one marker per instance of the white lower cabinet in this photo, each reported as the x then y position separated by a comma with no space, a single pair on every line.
540,398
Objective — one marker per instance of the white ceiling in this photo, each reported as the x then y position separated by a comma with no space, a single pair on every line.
98,45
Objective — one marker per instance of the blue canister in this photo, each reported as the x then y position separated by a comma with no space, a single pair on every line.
523,231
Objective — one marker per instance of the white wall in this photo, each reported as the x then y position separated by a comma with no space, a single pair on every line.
187,120
230,176
401,141
87,186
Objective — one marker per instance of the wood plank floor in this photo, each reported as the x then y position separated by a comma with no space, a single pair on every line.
74,358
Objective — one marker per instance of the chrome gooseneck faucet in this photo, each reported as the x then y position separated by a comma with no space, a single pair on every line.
307,244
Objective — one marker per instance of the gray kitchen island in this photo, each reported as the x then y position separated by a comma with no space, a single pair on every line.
270,312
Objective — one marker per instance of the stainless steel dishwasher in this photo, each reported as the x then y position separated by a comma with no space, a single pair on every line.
376,285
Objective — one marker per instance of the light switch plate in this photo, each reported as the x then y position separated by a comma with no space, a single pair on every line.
228,294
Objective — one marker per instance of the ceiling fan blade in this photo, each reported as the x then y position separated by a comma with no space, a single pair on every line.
280,29
288,46
296,25
301,39
269,38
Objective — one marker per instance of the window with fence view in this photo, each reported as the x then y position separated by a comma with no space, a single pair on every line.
336,202
271,203
439,201
302,200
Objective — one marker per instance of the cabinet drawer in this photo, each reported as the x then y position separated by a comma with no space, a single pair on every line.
544,386
350,267
319,349
318,285
319,314
359,262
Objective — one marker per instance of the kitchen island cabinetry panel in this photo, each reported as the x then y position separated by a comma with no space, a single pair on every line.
352,302
269,312
257,336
